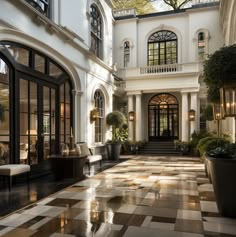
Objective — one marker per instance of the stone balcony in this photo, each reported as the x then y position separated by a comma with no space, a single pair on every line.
163,70
160,76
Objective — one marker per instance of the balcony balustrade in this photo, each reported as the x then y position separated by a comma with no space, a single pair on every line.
159,70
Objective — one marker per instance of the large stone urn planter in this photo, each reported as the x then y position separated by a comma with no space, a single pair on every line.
223,174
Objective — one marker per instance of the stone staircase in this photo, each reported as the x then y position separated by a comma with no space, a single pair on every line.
159,148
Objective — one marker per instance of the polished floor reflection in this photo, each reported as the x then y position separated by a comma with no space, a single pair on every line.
141,197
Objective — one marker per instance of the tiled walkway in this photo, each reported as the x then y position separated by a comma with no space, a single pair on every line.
141,197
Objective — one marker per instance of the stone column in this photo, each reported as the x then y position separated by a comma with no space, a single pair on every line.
185,122
76,112
131,123
138,118
193,105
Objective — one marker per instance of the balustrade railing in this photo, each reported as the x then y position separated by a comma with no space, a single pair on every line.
196,2
124,12
161,69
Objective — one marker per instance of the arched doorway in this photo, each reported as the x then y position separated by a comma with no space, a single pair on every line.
163,117
38,95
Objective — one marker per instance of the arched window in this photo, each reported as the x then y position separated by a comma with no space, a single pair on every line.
37,98
201,46
99,105
162,48
126,53
96,31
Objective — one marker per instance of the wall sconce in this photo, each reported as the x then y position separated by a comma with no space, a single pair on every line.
94,115
228,101
191,115
131,115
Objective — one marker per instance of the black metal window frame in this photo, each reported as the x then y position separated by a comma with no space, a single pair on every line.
27,72
201,45
162,48
126,53
99,123
43,6
96,30
158,102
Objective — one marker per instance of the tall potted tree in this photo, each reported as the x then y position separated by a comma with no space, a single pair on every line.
220,71
116,120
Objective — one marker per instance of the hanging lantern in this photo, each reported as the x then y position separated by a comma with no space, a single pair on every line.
228,101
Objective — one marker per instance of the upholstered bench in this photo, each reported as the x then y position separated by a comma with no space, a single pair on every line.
11,170
91,159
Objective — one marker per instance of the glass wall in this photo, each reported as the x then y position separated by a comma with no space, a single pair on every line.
39,93
4,113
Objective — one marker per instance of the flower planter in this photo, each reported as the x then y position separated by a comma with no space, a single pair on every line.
223,174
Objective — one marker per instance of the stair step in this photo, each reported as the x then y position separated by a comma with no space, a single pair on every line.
159,148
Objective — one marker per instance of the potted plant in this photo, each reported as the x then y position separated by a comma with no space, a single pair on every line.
222,165
207,144
219,71
117,121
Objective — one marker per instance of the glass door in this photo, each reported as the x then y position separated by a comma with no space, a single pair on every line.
37,111
163,118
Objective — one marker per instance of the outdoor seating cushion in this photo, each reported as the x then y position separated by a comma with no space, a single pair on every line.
14,169
93,158
84,149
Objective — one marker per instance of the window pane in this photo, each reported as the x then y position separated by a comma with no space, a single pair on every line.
54,70
39,63
99,105
21,55
4,114
164,44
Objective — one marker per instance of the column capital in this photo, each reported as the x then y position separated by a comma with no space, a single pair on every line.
134,93
77,92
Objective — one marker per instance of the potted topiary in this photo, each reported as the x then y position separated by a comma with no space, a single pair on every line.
116,120
219,72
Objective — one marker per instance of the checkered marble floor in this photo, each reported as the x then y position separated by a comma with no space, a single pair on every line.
145,196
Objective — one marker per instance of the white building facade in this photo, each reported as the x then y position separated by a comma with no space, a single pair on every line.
163,72
56,67
62,60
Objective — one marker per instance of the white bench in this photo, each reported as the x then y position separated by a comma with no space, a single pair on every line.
90,159
11,170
